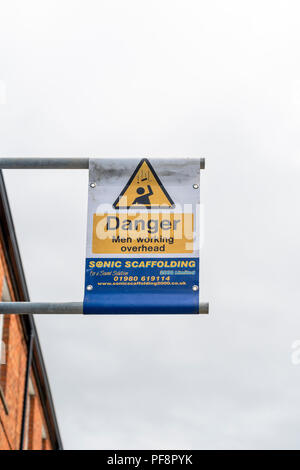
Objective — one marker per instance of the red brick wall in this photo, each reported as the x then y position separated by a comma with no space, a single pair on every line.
12,379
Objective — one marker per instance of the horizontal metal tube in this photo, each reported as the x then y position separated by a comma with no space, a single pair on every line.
44,163
45,308
14,163
204,307
48,308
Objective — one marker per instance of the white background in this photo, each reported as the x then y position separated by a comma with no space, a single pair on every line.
179,78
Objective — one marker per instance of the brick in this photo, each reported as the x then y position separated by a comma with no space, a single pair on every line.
12,380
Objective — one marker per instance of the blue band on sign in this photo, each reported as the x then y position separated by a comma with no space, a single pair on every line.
141,286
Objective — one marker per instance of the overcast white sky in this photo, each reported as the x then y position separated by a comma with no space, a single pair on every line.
164,78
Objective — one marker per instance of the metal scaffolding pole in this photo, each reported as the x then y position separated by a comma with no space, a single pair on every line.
44,308
54,308
35,163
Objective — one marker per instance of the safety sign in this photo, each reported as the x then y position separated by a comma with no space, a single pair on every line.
143,226
144,189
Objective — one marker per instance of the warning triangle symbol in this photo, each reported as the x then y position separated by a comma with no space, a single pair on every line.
144,190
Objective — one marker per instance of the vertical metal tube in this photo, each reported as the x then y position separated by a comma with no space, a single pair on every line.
27,376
